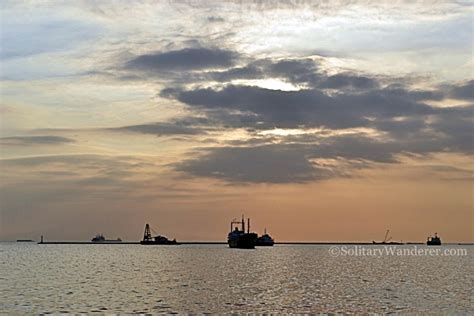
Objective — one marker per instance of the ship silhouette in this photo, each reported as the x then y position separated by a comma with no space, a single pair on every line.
265,240
148,239
238,238
434,240
101,238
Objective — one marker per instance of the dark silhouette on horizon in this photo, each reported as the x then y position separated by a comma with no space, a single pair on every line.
386,240
148,239
238,238
265,240
434,241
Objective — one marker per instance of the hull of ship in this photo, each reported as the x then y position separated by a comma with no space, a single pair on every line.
159,243
246,241
264,244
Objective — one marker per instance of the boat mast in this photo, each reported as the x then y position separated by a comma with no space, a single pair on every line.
248,225
243,223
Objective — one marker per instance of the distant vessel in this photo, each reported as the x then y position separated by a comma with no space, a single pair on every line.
148,239
265,240
101,238
238,238
386,240
24,240
434,241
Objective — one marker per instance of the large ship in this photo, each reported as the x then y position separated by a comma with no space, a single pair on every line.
148,239
265,240
100,238
238,238
434,241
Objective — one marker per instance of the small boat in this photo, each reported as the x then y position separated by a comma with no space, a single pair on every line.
265,240
24,240
238,238
434,240
101,238
148,239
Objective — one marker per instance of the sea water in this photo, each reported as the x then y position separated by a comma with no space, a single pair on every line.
215,279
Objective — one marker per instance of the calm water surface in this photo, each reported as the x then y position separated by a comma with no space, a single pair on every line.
213,278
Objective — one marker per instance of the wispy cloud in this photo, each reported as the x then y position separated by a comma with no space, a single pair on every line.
35,140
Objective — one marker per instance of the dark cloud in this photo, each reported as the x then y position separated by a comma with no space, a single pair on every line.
296,159
35,140
413,95
464,91
297,71
457,126
264,164
346,80
400,127
412,127
184,59
164,129
291,160
294,70
356,147
405,123
192,65
310,107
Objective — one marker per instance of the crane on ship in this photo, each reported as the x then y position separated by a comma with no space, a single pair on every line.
149,239
387,240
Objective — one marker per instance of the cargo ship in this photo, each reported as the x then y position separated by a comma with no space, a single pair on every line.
148,239
238,238
265,240
434,240
101,238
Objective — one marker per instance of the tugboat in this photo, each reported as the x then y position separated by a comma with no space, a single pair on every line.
148,239
434,241
265,240
101,238
238,238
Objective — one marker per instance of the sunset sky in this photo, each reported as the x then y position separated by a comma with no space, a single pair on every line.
321,120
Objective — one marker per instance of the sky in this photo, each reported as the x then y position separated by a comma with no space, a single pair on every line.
320,120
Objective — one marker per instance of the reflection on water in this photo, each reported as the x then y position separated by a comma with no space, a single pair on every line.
213,278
